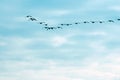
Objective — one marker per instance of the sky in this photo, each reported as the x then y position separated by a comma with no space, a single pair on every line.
77,52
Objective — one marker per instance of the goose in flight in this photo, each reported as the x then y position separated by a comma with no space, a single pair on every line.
92,21
33,19
28,16
68,24
41,22
85,22
77,22
65,24
59,27
48,28
118,19
101,22
61,24
46,24
110,21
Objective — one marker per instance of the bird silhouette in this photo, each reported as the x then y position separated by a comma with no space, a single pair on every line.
85,22
118,19
41,22
68,24
101,22
61,24
92,21
110,21
65,24
59,27
28,16
33,19
48,28
46,24
77,23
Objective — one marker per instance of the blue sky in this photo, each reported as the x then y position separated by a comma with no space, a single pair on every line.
77,52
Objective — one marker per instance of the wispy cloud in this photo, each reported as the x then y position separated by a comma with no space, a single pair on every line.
115,8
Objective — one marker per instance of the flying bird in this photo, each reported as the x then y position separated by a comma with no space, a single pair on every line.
48,28
65,24
118,19
110,21
33,19
68,24
85,22
46,24
61,24
28,16
92,21
41,22
101,22
59,27
77,23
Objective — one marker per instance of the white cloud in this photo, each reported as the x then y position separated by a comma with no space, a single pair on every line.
98,33
115,8
97,46
59,41
3,43
94,69
114,57
69,73
20,19
18,42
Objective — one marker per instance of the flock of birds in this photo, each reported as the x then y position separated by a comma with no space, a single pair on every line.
60,26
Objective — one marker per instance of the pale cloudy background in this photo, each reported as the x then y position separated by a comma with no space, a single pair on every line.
79,52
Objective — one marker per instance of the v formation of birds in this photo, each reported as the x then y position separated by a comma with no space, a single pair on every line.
60,26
